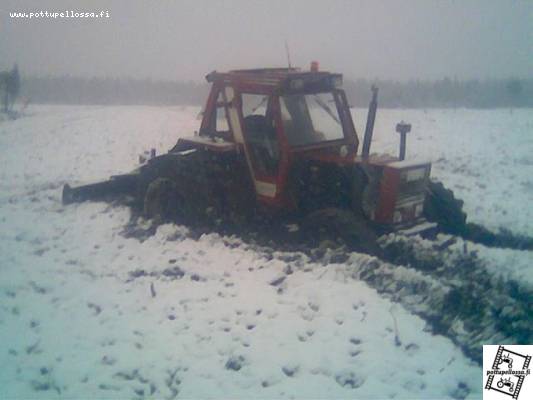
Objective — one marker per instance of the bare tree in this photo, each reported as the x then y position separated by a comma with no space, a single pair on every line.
9,87
13,85
4,77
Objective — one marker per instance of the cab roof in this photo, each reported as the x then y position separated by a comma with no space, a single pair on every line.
282,78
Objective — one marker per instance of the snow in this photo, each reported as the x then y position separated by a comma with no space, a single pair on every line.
86,312
508,264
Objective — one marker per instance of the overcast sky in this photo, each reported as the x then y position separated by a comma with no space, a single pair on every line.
410,39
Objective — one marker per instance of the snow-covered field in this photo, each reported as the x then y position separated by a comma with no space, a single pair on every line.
88,313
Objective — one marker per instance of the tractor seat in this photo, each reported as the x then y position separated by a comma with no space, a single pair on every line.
261,137
256,126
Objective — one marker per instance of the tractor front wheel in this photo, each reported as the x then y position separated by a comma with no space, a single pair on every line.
333,226
442,207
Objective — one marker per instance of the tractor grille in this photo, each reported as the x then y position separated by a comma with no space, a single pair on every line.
411,194
410,190
402,192
409,200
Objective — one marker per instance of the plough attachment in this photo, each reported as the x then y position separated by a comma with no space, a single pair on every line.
116,186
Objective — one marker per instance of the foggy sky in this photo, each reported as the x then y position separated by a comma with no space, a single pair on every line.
184,40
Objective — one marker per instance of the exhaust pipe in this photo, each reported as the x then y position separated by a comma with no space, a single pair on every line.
402,128
371,118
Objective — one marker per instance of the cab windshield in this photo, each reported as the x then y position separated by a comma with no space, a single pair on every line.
311,118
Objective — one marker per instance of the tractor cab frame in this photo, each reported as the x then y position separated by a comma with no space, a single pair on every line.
271,116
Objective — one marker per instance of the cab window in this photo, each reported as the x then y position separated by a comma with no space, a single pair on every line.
311,118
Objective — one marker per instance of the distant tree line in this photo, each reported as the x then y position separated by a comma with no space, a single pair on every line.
76,90
444,93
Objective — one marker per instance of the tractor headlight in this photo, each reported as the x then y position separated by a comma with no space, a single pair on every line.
397,217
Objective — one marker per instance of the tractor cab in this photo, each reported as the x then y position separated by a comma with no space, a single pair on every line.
274,116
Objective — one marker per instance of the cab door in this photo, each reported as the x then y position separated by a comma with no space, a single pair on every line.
253,126
260,135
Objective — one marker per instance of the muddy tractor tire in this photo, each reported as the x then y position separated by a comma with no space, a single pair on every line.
334,227
162,200
442,207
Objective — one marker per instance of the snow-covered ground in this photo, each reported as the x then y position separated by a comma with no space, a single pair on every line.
88,313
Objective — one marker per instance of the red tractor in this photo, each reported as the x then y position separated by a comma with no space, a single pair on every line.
281,142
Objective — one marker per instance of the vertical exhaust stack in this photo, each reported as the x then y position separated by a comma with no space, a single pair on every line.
371,118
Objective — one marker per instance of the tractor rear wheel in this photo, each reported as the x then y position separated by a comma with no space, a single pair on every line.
162,200
336,227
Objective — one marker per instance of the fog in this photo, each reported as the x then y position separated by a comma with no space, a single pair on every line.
183,40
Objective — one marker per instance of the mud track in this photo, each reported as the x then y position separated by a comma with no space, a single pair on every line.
451,288
470,305
504,239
